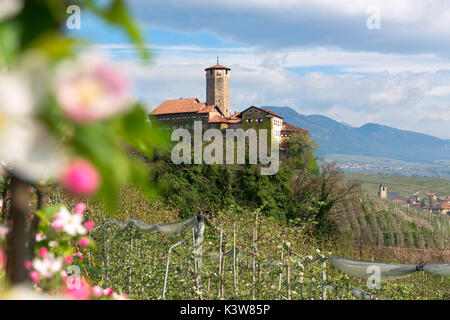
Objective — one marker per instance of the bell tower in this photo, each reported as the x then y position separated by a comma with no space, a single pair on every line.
382,191
218,87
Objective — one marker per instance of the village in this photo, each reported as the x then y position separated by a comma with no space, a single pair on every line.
431,202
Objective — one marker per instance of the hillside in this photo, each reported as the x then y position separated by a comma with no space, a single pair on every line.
405,185
371,139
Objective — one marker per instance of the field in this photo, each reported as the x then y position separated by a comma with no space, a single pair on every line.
405,185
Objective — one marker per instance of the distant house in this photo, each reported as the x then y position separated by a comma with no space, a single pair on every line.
432,196
414,199
441,208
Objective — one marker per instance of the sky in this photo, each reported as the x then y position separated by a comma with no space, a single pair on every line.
356,61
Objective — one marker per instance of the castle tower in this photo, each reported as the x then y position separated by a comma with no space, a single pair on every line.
382,191
218,87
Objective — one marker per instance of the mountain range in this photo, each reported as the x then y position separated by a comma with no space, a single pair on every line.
371,139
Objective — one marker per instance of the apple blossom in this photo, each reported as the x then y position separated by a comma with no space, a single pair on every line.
89,225
70,223
81,292
34,275
91,89
40,237
84,242
27,264
97,291
2,259
80,207
43,252
28,150
48,266
108,291
81,178
68,259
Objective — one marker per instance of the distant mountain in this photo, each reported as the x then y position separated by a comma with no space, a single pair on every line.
371,139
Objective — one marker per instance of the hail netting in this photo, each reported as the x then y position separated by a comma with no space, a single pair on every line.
132,255
388,271
169,229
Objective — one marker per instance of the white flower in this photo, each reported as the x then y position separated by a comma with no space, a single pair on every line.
48,266
40,237
53,244
70,223
91,89
318,250
26,147
310,257
9,8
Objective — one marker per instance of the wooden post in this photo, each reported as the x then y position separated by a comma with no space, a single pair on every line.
253,264
234,260
288,272
42,200
15,268
199,231
5,199
280,275
220,264
255,254
324,280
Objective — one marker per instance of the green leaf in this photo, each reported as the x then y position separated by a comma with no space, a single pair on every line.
117,14
9,43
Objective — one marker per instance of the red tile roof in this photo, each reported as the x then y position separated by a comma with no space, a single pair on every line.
187,105
263,109
291,128
398,201
218,119
218,66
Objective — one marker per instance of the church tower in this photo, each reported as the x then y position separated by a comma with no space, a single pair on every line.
218,87
382,191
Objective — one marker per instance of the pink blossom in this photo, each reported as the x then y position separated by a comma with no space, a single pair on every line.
89,225
80,207
34,275
78,292
68,259
84,242
79,255
97,291
91,89
81,178
43,252
40,237
108,292
2,259
27,264
32,217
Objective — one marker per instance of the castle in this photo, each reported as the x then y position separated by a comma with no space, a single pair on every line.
215,112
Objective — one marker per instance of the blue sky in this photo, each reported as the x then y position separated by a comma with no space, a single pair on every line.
316,56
